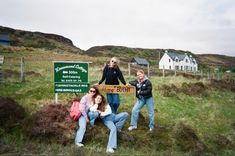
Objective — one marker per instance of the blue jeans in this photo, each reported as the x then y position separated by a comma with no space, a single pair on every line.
114,123
138,106
81,130
92,116
114,101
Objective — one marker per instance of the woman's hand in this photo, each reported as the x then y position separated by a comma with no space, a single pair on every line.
87,120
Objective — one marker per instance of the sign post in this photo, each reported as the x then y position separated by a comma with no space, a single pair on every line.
70,77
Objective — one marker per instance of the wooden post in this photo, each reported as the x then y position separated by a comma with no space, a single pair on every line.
159,56
1,63
22,69
56,98
218,76
148,71
129,69
1,72
163,72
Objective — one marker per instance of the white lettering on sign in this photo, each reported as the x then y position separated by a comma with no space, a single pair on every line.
76,66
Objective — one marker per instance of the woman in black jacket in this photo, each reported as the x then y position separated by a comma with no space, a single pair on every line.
112,74
144,97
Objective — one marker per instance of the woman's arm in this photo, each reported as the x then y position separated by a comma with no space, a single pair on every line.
94,108
107,111
120,76
104,73
82,106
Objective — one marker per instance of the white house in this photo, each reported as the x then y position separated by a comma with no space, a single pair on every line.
175,61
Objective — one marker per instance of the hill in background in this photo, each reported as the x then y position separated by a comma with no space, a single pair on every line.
60,43
39,40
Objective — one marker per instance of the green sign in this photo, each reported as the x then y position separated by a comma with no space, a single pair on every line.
71,77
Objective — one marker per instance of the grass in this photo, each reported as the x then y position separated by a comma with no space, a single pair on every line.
209,115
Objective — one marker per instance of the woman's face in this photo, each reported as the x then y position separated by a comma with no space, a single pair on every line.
113,62
98,99
140,76
92,91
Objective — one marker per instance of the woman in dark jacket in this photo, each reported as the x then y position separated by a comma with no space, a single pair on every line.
111,74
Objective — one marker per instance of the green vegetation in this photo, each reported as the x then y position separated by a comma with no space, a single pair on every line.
210,115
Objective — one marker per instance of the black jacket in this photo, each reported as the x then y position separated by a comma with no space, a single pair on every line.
143,89
111,76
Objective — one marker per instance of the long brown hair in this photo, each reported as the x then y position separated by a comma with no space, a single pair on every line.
103,103
96,93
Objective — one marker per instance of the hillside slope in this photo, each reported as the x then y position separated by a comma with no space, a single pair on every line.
125,54
152,55
39,40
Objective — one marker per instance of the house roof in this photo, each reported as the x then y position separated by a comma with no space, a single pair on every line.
4,37
140,61
174,55
181,57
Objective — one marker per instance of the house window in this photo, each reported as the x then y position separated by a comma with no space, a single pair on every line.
177,67
169,67
176,60
181,67
169,60
186,60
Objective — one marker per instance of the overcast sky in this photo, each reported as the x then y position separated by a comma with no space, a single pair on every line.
199,26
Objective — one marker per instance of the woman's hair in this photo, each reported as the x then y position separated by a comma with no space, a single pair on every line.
103,103
115,65
96,93
140,71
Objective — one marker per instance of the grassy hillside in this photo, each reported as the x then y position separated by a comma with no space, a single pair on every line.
39,40
189,121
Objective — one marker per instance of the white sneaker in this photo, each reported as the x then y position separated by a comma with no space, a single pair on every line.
132,127
150,129
109,150
79,144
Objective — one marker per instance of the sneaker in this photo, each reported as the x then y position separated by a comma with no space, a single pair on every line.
109,150
79,144
150,129
131,128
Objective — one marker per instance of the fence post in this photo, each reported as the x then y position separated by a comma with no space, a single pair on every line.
129,69
163,72
218,76
56,98
1,63
148,71
22,69
0,72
